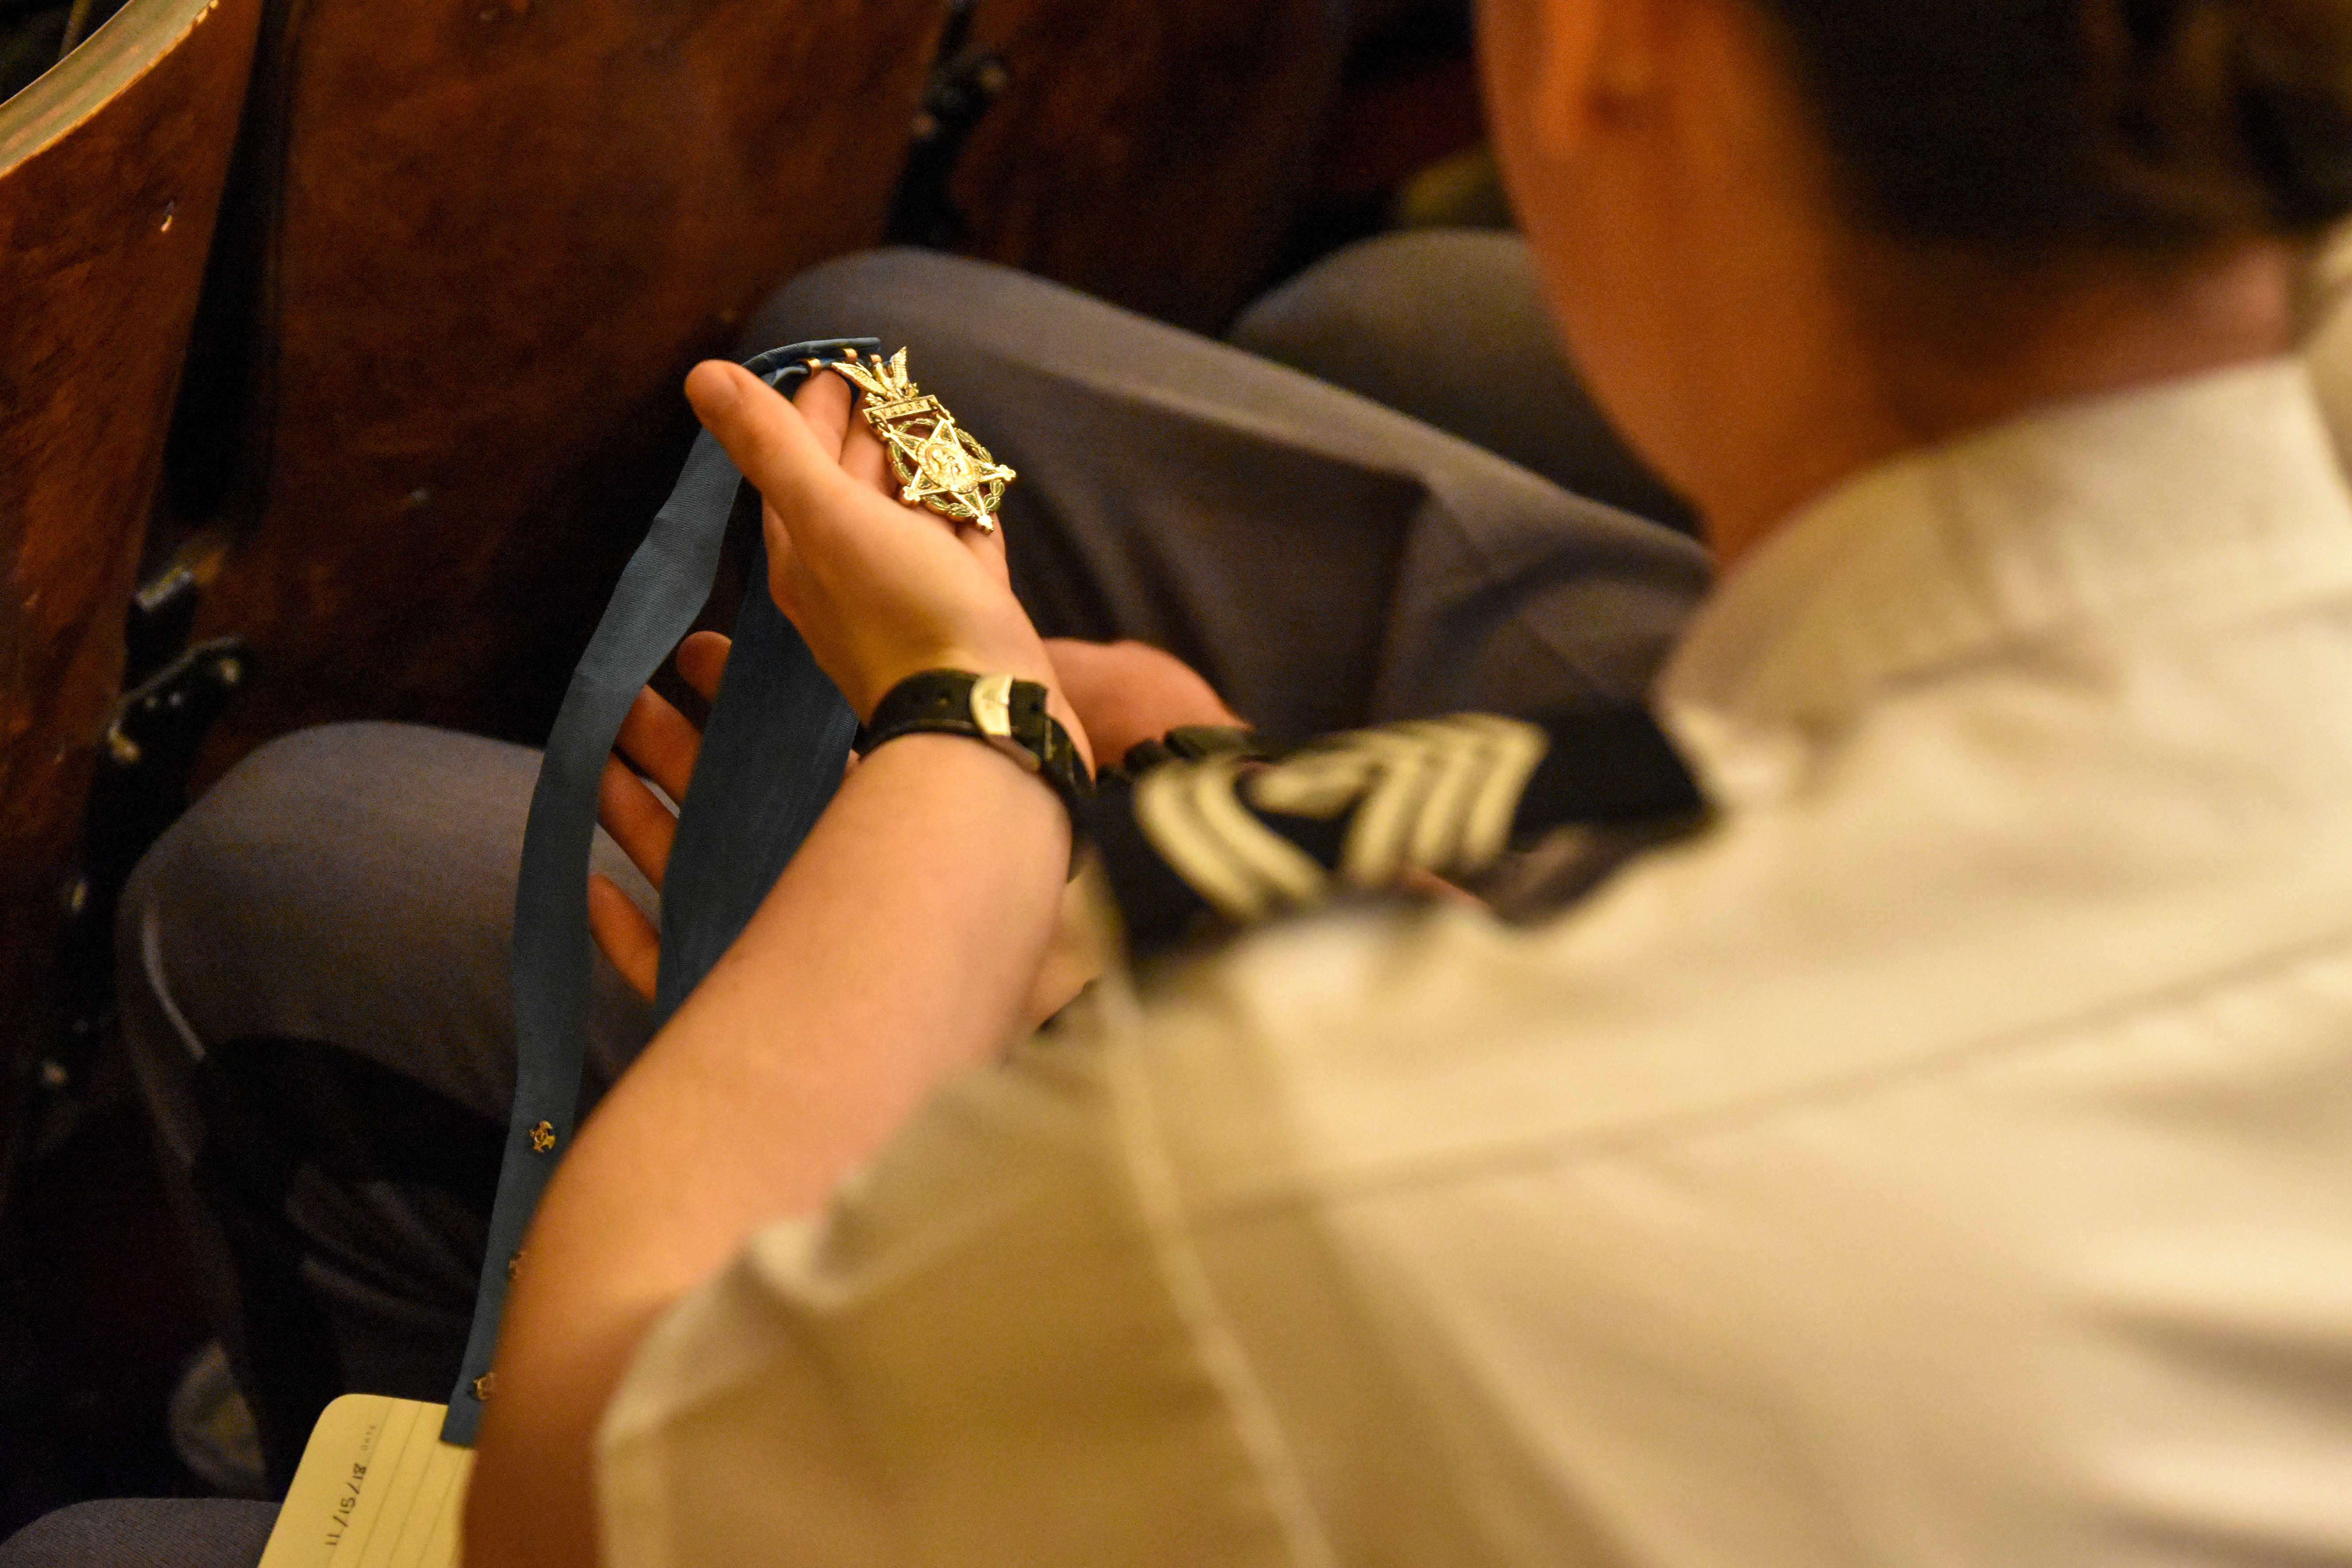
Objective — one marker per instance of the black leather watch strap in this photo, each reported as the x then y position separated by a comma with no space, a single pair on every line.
1002,712
1190,743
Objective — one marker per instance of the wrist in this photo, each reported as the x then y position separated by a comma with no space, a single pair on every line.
1028,664
1009,713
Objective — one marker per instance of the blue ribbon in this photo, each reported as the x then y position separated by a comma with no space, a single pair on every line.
772,757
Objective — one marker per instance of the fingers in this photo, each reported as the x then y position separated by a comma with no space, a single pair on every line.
623,934
794,458
877,588
701,661
866,459
813,507
798,475
1127,692
640,824
829,403
770,442
824,400
660,742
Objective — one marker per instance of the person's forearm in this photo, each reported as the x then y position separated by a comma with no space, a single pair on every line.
897,949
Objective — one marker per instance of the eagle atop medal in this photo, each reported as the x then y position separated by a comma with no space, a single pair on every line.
937,462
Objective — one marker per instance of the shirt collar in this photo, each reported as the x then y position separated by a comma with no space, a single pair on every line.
2214,491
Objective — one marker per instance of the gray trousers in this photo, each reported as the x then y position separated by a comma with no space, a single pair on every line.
313,960
148,1532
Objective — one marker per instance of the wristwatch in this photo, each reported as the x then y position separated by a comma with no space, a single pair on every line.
1006,712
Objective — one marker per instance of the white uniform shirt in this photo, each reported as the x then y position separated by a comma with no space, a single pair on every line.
1943,1158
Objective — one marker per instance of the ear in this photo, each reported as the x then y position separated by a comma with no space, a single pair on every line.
1596,61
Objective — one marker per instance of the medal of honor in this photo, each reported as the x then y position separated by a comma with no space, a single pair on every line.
937,462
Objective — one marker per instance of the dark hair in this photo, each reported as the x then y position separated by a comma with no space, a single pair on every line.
2026,130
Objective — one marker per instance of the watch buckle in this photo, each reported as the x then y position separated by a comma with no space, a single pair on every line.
992,710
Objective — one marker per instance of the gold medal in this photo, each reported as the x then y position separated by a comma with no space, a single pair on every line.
938,463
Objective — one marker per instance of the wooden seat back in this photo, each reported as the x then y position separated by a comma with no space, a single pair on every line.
111,173
472,249
1150,152
472,246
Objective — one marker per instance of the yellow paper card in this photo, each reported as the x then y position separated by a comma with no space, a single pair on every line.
376,1489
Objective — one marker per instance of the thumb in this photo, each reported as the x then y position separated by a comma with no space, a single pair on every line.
768,438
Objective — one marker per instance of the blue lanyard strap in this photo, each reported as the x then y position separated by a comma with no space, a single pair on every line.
772,757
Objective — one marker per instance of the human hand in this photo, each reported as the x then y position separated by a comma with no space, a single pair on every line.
661,743
664,743
1129,692
880,589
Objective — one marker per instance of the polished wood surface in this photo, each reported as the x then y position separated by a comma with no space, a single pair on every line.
1150,152
111,172
478,243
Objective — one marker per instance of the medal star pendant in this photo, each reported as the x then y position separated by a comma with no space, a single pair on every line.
938,463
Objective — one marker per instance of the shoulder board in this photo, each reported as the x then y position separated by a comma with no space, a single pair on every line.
1218,831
